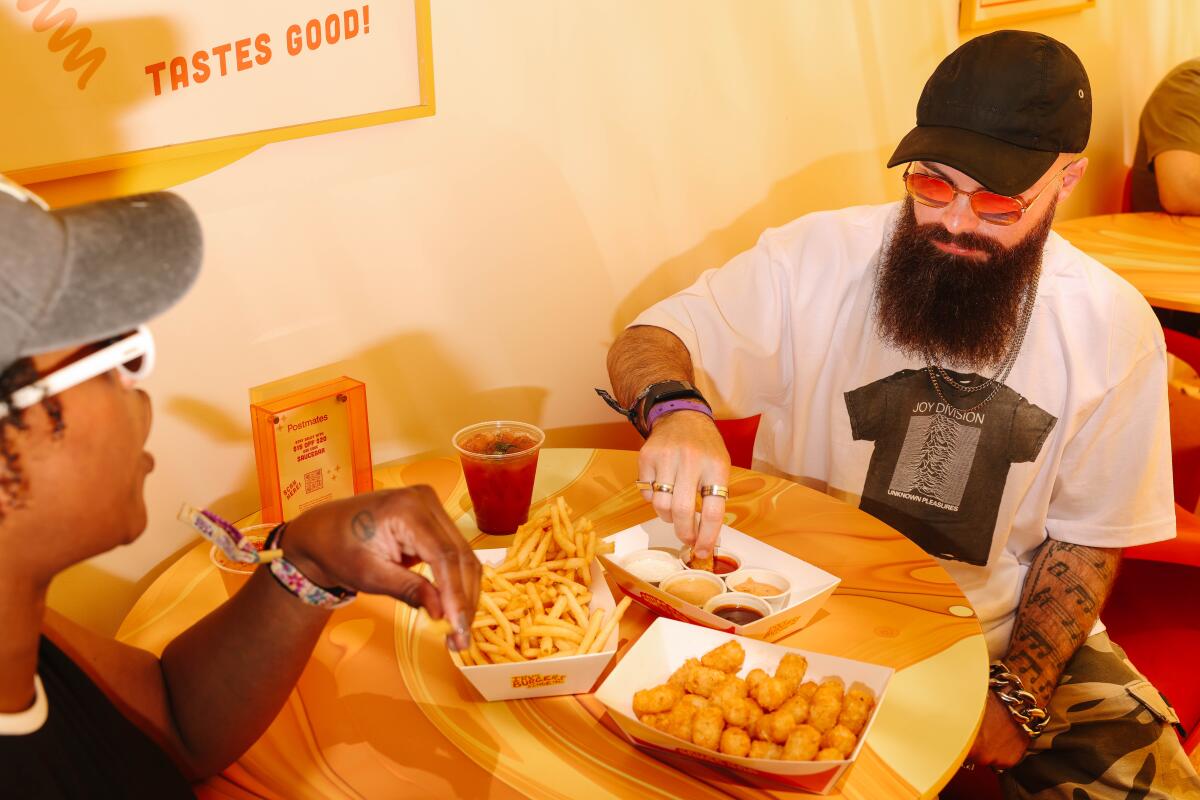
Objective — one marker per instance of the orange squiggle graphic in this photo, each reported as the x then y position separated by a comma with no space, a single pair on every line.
64,38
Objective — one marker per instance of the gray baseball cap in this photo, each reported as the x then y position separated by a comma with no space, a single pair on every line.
81,274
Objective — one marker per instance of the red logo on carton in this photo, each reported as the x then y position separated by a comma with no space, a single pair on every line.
658,606
536,681
780,627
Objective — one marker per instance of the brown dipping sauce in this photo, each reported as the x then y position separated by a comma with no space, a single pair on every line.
738,615
723,565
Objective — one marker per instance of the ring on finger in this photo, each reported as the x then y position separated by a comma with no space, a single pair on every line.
645,486
665,488
715,490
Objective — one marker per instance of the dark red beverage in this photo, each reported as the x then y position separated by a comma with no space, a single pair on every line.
499,461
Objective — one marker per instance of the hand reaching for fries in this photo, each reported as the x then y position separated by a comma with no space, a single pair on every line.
536,603
367,542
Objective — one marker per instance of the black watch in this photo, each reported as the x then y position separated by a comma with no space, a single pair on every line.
649,397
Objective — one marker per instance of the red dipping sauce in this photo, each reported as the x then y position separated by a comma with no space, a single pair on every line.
499,462
723,565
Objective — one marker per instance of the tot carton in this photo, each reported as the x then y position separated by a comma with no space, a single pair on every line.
544,677
667,644
810,585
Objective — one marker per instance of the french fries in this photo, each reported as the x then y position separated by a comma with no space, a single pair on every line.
535,603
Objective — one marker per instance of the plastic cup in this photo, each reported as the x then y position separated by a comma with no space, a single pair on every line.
499,461
768,576
234,574
746,608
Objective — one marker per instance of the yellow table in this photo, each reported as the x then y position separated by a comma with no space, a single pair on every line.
1158,253
380,712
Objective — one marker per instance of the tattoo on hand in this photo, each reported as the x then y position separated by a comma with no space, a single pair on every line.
362,525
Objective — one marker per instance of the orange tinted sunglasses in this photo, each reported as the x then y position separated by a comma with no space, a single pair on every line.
997,209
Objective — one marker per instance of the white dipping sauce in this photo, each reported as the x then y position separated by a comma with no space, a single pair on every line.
651,570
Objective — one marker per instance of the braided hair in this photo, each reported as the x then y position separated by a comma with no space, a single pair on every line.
13,483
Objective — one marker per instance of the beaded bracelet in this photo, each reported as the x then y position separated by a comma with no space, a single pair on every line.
289,577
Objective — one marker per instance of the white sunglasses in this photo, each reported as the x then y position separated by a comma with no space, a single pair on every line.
131,356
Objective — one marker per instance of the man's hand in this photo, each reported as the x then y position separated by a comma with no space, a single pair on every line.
686,450
1001,743
364,542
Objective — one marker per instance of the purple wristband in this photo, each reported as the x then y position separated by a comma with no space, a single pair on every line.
662,409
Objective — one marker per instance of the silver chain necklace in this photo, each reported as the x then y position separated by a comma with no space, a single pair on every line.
935,370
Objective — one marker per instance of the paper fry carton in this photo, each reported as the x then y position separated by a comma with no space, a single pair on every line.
544,677
664,647
811,586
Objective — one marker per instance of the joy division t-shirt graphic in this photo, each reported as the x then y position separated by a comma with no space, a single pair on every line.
937,473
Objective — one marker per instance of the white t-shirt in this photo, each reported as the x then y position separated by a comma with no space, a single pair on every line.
1074,446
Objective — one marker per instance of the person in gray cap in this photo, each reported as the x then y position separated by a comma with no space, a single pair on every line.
966,376
86,716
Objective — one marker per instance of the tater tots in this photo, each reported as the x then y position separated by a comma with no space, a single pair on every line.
656,700
802,744
727,658
707,726
735,742
702,680
778,716
840,738
792,668
772,693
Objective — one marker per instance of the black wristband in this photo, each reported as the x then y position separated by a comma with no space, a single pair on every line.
650,396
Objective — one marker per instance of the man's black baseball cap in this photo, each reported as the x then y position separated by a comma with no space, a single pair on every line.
1001,108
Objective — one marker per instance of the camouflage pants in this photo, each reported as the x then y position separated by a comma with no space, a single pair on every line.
1109,736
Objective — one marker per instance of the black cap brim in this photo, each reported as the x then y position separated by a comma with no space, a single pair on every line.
999,166
127,261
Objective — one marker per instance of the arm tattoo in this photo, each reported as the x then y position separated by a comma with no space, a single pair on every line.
644,355
1064,591
362,525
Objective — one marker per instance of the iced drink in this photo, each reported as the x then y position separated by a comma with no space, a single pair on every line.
499,461
233,573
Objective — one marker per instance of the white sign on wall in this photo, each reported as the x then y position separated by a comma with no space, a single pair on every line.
88,83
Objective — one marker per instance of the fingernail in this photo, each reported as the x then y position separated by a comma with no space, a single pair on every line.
462,630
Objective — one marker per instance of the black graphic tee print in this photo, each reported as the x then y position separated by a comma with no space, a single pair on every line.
937,474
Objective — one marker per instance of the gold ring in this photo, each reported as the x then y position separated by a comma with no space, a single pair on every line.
645,486
715,490
665,488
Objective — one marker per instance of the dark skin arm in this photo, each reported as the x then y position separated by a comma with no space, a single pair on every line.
1177,174
1064,591
684,449
220,683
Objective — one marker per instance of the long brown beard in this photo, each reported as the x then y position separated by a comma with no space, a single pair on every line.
953,310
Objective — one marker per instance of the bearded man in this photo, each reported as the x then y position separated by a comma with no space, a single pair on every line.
972,380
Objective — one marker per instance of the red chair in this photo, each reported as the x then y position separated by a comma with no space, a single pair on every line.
1153,608
1152,613
1127,192
739,438
738,435
1185,428
1154,605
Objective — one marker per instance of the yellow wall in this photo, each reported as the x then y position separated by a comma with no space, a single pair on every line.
586,159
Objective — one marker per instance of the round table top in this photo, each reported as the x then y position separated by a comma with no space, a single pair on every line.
380,711
1158,253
